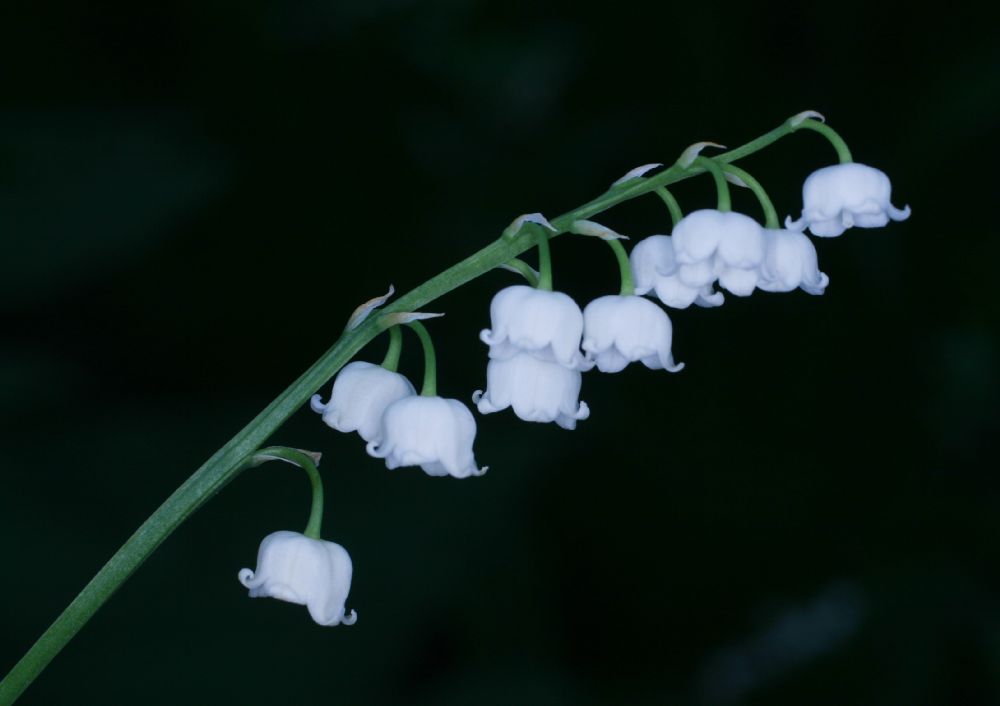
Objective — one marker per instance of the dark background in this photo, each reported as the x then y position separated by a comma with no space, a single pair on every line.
193,198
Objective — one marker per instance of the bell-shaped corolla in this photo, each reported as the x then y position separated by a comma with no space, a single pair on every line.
655,268
311,572
841,196
791,263
618,330
537,390
361,394
546,324
432,432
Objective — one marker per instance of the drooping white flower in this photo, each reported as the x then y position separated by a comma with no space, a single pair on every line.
840,196
360,395
546,324
791,262
711,244
311,572
655,268
538,390
431,432
622,329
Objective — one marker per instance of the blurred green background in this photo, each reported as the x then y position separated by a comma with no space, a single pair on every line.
195,195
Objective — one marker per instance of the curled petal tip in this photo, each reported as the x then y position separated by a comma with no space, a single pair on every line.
349,618
595,229
636,173
405,317
246,576
362,312
800,118
476,396
798,225
515,227
691,153
316,405
899,214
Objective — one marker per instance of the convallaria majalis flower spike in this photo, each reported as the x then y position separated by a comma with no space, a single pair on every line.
535,362
843,195
301,567
535,336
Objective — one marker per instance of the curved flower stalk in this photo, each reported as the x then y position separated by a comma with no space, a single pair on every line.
298,569
710,244
431,432
361,393
538,390
621,329
450,451
546,324
842,196
655,268
791,263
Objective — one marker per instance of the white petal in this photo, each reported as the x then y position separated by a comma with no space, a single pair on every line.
739,281
311,572
536,321
361,393
741,243
434,433
537,390
851,194
622,329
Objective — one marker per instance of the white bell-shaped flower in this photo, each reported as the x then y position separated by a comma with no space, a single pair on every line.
311,572
618,330
790,263
547,324
840,196
360,395
723,245
655,268
538,390
431,432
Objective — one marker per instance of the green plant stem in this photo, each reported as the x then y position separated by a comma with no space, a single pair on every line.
429,388
624,268
544,256
306,463
524,269
843,152
770,215
675,208
226,463
391,360
725,203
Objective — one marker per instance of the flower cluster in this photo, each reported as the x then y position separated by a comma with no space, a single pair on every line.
400,426
541,342
709,247
535,362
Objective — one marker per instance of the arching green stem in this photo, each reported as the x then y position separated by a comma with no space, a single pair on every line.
675,208
843,152
429,388
391,360
227,462
770,215
544,258
627,288
306,463
721,185
524,269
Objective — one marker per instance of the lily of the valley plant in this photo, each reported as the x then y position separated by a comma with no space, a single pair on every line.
540,341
